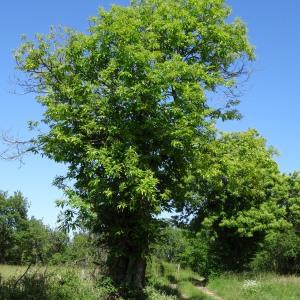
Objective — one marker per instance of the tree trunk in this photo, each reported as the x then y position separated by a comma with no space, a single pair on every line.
129,271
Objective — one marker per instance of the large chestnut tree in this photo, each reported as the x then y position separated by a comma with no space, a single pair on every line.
127,109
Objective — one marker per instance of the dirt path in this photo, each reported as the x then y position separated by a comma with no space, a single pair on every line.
203,289
201,285
209,293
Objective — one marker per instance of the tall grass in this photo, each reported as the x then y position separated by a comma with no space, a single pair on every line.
7,271
54,283
256,286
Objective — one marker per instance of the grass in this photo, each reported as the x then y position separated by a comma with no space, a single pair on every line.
15,271
189,291
167,278
165,282
66,284
256,287
7,271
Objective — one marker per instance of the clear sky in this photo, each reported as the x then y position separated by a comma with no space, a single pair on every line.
270,102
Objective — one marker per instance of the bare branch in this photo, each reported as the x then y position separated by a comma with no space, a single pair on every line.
26,86
16,149
20,278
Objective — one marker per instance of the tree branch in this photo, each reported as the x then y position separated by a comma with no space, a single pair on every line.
15,149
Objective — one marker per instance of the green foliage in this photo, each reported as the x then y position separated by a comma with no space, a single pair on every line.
280,253
127,110
78,249
24,240
247,212
198,255
59,241
287,195
40,243
35,241
81,250
239,185
188,250
239,207
13,223
172,243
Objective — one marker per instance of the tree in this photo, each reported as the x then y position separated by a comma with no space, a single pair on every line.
280,251
127,110
81,250
240,206
40,243
13,222
288,197
24,240
172,243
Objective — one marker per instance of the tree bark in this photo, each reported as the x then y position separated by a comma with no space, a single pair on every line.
129,271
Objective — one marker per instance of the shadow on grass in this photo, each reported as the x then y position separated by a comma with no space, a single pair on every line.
198,298
172,279
169,290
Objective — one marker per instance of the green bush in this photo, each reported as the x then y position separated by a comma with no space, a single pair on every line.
189,250
197,255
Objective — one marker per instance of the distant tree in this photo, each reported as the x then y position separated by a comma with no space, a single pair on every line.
13,222
171,245
288,197
240,205
280,251
37,242
81,250
24,240
128,112
59,240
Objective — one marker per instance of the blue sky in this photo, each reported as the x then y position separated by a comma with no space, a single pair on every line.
270,101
